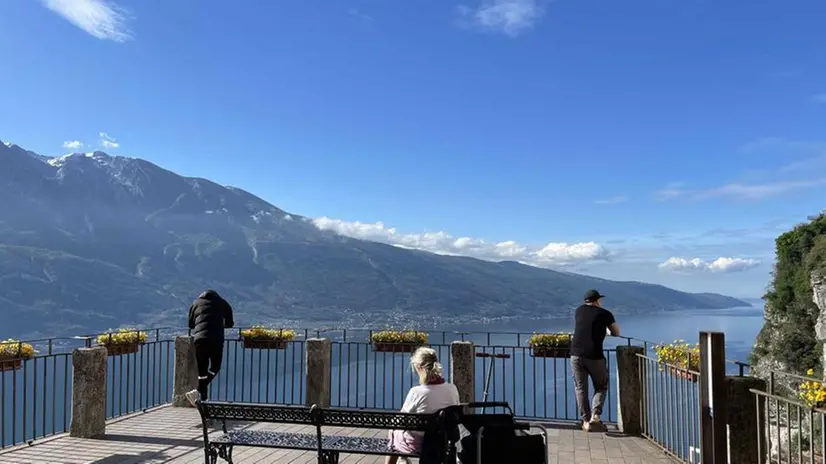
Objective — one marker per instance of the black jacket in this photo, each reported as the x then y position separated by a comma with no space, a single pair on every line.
209,315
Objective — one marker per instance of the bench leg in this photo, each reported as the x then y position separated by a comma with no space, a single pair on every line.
210,454
225,452
328,457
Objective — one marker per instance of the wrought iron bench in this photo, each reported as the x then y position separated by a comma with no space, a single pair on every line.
437,428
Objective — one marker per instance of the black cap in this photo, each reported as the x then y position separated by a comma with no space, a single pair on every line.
593,295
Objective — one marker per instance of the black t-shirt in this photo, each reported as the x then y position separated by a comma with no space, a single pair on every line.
589,331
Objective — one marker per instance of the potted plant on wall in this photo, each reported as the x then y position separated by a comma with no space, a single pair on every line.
13,353
678,358
551,345
262,338
122,341
397,341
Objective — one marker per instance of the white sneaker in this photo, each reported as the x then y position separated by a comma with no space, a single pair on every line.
596,424
193,396
586,426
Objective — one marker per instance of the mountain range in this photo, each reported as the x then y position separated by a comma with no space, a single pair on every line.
90,241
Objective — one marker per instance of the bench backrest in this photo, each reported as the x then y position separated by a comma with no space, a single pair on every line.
368,419
273,413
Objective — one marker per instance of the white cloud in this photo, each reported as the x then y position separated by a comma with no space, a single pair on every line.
672,190
73,145
510,17
552,254
359,14
739,190
719,265
100,18
108,142
783,146
613,200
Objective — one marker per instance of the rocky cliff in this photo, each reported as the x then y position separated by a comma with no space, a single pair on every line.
818,281
794,330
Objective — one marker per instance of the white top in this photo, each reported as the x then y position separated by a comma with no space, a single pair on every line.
425,399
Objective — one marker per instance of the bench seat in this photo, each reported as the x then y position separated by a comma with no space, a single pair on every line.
268,439
309,442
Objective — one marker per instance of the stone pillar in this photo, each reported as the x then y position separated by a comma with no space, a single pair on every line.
629,387
463,370
186,371
319,371
88,392
742,421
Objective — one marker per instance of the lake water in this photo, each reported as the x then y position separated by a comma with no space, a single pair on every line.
35,399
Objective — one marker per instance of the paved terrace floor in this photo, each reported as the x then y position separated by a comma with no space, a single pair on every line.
173,435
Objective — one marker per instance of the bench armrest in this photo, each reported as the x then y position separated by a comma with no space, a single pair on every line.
491,404
488,404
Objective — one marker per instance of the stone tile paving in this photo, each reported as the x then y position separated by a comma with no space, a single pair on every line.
173,435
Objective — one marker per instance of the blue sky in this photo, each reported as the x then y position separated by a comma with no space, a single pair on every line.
639,140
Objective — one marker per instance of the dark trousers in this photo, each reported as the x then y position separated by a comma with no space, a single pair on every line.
597,370
209,356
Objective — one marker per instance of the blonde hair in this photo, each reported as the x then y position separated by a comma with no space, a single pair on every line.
425,363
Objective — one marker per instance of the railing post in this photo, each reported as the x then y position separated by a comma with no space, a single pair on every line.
185,373
629,388
319,371
713,412
746,427
88,392
463,370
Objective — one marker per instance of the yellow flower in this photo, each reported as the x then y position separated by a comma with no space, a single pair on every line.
679,354
399,336
262,333
550,340
12,348
122,337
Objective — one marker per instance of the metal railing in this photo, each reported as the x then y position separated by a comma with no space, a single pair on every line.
536,387
363,377
789,431
35,398
669,411
140,381
261,375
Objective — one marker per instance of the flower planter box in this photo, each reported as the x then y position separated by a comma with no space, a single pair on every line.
10,364
122,348
680,373
685,375
389,347
265,344
551,351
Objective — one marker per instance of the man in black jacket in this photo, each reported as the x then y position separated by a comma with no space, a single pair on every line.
209,315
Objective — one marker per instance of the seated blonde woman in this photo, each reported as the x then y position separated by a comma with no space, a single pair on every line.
430,396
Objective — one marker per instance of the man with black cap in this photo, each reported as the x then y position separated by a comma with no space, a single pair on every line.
592,323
